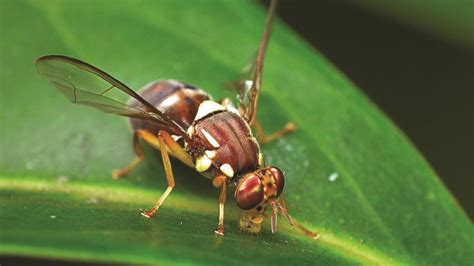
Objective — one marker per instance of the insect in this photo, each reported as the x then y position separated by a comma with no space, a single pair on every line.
183,121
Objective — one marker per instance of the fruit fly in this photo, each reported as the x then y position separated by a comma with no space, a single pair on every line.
183,121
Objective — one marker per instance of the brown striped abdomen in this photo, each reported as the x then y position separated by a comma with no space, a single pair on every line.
177,100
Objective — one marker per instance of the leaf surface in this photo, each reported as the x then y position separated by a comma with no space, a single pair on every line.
350,173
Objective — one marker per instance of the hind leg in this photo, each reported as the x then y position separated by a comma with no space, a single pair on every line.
171,146
264,138
139,134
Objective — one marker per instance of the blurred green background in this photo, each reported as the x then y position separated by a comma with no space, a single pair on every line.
391,209
415,60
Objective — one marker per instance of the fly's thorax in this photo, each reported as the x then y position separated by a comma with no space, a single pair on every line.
176,99
225,144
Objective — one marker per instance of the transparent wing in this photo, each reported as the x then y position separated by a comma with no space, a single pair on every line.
250,79
87,85
244,83
253,91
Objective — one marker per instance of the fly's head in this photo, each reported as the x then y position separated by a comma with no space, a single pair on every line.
255,193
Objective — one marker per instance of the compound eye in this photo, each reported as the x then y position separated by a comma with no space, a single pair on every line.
279,179
249,192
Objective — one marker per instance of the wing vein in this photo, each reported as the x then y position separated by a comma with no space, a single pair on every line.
83,84
113,86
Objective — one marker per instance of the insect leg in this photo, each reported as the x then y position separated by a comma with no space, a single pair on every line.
221,181
173,148
264,138
148,137
177,151
284,210
163,138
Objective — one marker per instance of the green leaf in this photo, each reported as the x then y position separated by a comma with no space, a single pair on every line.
386,205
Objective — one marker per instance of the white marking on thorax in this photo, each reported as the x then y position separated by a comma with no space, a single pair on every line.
230,107
206,108
176,137
170,101
210,154
190,130
227,170
203,163
211,139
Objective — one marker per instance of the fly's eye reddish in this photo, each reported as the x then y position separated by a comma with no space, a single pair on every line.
249,192
279,179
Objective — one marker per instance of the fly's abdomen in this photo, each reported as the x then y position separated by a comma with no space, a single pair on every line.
177,100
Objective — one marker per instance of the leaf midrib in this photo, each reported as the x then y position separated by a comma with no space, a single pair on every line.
141,197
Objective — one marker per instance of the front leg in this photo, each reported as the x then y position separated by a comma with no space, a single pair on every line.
221,181
282,207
